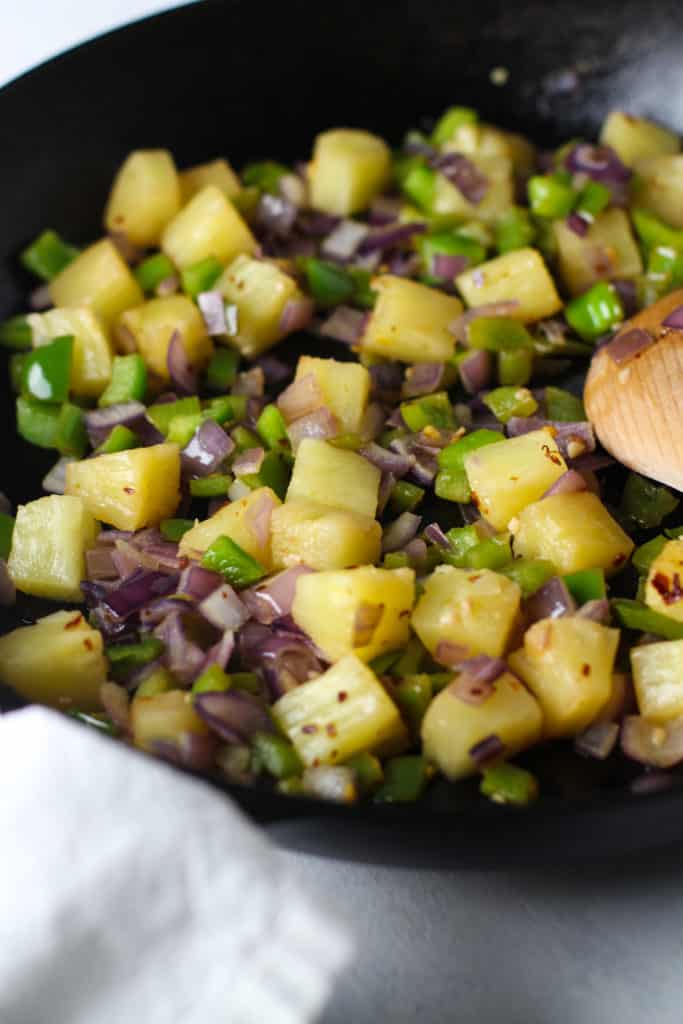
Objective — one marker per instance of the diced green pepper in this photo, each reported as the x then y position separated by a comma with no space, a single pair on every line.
448,243
383,663
507,402
213,679
586,585
16,333
120,439
151,272
274,473
491,553
265,175
549,196
182,428
201,276
244,438
515,367
48,255
645,502
594,197
451,122
222,369
123,658
653,232
37,422
564,406
368,771
419,185
352,442
452,485
277,755
664,270
412,696
405,497
514,230
364,296
528,573
161,415
462,540
6,531
595,312
509,784
451,481
498,333
644,556
16,371
404,779
71,437
272,427
396,560
128,381
226,409
328,284
432,410
215,485
175,529
236,566
47,371
635,615
158,681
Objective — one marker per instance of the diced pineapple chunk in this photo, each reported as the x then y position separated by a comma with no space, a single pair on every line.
335,477
304,532
260,290
521,276
476,610
343,712
664,587
92,351
607,250
153,324
51,536
57,661
660,187
98,278
165,716
144,197
410,321
242,521
216,172
129,489
567,664
363,611
349,168
452,728
499,195
574,532
483,140
344,388
634,138
658,679
506,476
208,226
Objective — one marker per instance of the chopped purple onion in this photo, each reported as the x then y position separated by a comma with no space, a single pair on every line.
197,583
551,601
206,450
386,485
55,481
391,236
233,715
116,703
475,371
447,266
250,383
183,658
39,299
343,242
180,370
578,224
598,741
674,319
404,264
435,535
275,372
600,163
487,750
221,652
660,746
384,210
464,174
276,214
627,291
267,602
99,423
223,608
99,564
387,379
423,379
344,324
296,315
597,610
301,397
572,439
169,286
212,307
400,532
450,655
388,461
136,591
569,483
248,462
321,424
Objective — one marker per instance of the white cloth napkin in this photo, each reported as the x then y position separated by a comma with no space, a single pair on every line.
129,893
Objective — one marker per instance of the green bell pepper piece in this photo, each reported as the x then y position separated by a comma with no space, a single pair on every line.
451,122
226,409
405,497
158,681
328,284
432,410
396,560
128,381
201,276
412,696
123,658
653,232
368,771
175,529
120,439
451,481
233,563
586,585
509,784
507,402
272,427
643,557
182,428
515,367
419,185
645,502
37,422
244,438
6,531
214,486
277,755
595,312
48,255
16,333
635,615
448,243
152,271
71,437
265,175
462,540
222,369
514,230
404,779
492,553
410,659
550,197
47,371
274,473
498,333
594,197
212,680
161,415
528,573
562,405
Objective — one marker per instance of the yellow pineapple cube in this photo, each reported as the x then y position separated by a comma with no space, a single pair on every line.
334,476
452,728
660,187
208,226
349,168
98,278
410,321
153,324
498,198
476,610
57,661
664,587
129,489
145,196
306,533
574,532
483,140
51,536
92,351
658,679
241,521
363,611
506,476
165,716
260,290
607,250
567,664
343,712
344,388
521,276
216,172
634,138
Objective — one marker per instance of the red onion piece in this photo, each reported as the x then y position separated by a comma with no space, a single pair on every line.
384,210
223,608
551,601
487,750
197,583
169,286
248,462
55,481
368,261
573,439
301,397
387,379
182,656
578,224
312,222
650,743
8,592
475,371
147,550
464,174
400,532
344,324
182,374
39,299
416,551
99,564
387,461
391,236
506,307
344,240
130,253
674,319
100,422
296,315
447,266
250,383
597,610
423,379
276,214
628,293
629,344
221,652
569,483
404,264
206,449
212,307
115,701
267,602
450,655
275,372
598,741
261,512
137,590
287,658
435,535
592,462
386,486
321,424
233,715
600,163
292,187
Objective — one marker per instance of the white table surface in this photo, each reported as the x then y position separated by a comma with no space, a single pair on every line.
594,944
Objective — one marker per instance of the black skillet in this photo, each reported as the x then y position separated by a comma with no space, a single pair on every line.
250,80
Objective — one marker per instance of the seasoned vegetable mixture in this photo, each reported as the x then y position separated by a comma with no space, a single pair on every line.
388,549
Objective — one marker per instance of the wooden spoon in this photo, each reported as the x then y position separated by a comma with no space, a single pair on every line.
636,405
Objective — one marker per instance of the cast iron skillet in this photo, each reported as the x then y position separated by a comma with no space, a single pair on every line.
252,80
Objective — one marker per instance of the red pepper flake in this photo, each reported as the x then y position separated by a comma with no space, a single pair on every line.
404,613
341,696
129,490
473,579
549,454
331,729
309,729
87,643
474,498
72,623
670,590
619,560
585,670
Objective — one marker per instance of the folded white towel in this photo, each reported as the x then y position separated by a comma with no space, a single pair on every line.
129,893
